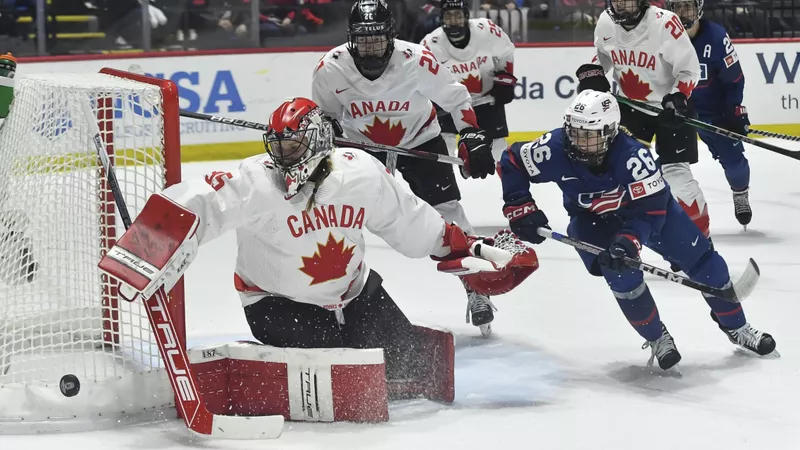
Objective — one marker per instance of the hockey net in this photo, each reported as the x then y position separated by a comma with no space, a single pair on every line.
58,314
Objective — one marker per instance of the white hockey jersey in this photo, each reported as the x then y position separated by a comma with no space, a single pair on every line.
396,108
311,255
654,59
489,51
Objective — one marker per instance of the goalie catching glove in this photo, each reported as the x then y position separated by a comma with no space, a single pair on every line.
150,255
489,266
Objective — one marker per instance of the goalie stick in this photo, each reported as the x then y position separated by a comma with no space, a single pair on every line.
447,159
712,128
734,293
196,415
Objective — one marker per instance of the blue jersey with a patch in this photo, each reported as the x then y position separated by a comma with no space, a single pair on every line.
632,186
721,84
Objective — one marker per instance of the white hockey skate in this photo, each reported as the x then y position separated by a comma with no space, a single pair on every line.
663,349
741,207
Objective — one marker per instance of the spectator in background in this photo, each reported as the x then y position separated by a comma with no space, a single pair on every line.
288,18
9,11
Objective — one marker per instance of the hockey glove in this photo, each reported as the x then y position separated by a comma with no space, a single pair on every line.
489,266
623,245
475,148
592,76
155,251
525,218
337,127
503,88
675,105
736,120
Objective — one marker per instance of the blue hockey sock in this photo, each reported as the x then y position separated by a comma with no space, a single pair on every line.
641,311
729,315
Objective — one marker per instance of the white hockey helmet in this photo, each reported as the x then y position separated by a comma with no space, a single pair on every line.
591,123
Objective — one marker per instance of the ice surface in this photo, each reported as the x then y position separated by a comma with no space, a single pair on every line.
563,370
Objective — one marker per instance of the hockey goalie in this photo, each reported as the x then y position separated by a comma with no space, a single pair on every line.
332,343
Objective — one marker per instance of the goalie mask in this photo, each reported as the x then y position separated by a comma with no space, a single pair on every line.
455,19
297,140
370,37
627,13
590,125
689,11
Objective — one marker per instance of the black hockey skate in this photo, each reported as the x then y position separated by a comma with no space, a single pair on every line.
749,338
664,350
741,207
481,309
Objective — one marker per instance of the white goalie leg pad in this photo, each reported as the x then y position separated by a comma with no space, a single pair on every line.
453,212
312,385
452,143
499,145
687,192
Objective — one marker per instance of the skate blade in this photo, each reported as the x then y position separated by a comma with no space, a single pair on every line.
751,354
486,329
672,372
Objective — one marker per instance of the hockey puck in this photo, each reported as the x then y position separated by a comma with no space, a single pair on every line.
69,385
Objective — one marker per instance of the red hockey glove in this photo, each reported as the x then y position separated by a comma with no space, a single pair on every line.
489,266
155,251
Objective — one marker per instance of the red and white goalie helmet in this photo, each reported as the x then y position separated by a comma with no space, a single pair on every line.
298,139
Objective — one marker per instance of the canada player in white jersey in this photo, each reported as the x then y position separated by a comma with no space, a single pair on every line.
381,90
299,213
481,56
652,59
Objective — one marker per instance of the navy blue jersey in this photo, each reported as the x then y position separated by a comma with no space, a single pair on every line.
632,186
721,83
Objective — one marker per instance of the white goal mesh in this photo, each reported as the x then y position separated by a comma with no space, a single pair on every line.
58,314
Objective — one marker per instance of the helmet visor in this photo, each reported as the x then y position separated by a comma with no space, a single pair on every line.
289,148
454,18
588,142
686,10
625,7
374,45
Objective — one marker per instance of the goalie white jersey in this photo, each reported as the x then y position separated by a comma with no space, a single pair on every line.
395,109
310,255
654,59
489,51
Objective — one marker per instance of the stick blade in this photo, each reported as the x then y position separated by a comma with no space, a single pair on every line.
243,427
746,283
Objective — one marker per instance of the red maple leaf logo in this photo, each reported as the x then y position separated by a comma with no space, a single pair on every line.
385,133
468,116
329,262
510,67
632,87
473,84
686,88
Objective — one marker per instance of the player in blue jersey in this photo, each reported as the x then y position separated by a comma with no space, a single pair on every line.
616,198
718,98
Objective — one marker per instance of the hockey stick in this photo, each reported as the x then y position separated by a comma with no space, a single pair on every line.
773,134
196,415
734,293
338,141
712,128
